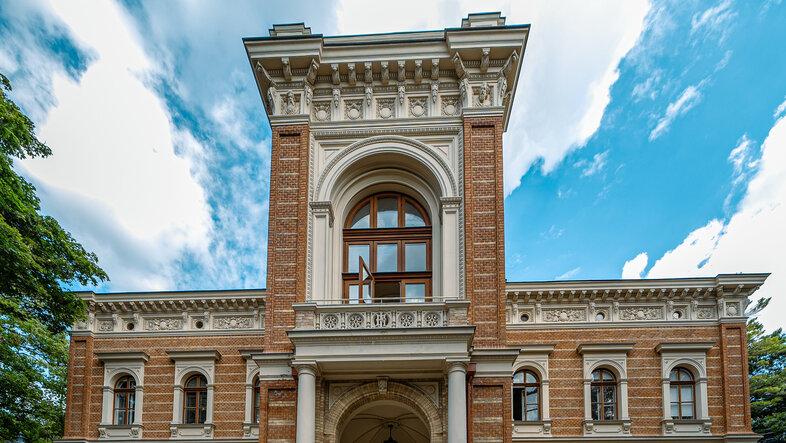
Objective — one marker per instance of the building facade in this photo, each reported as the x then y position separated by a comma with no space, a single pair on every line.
387,315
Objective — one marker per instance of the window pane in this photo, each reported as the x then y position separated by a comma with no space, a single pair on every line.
596,411
387,257
608,413
387,212
190,416
532,395
532,413
191,399
353,253
685,375
120,400
202,399
120,417
362,218
518,400
687,410
366,296
192,382
609,394
412,217
416,292
387,290
353,294
131,416
131,383
202,415
531,378
595,394
122,383
674,392
675,411
131,399
687,393
674,375
596,375
607,376
415,257
518,377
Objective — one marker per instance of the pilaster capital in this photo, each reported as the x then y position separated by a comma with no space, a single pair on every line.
323,208
450,203
306,367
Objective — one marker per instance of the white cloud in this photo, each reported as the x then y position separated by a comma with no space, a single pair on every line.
752,240
689,98
566,76
714,21
570,274
593,167
780,110
634,267
115,157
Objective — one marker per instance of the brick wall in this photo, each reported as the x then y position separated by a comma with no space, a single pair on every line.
287,230
484,229
726,385
490,409
79,378
278,411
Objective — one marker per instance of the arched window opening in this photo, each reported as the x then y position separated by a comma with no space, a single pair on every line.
682,390
526,396
195,404
125,400
387,251
603,395
256,393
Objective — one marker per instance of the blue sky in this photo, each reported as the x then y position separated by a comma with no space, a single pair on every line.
648,138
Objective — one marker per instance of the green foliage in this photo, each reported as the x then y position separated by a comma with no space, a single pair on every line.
767,367
39,259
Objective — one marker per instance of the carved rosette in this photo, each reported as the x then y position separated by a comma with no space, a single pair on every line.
353,109
321,111
418,106
450,106
386,108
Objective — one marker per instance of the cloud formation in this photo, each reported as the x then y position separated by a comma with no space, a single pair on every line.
689,98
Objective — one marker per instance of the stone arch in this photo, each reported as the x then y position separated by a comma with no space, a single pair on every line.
367,393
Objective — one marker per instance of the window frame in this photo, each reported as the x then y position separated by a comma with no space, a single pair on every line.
256,393
130,392
600,385
538,384
679,384
198,390
401,236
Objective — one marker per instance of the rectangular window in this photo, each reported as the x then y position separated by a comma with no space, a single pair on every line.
415,292
354,252
415,257
387,212
387,257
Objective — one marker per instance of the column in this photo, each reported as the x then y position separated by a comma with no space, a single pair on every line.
450,246
457,402
306,403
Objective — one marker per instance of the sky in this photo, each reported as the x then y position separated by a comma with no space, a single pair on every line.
647,139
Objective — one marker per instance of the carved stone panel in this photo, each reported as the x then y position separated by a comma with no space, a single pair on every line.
641,313
353,109
386,108
164,324
564,315
321,111
451,106
232,322
418,106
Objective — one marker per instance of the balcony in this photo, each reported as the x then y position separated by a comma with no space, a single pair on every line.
381,314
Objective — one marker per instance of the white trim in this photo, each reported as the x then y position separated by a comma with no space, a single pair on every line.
535,358
693,357
188,363
116,365
611,356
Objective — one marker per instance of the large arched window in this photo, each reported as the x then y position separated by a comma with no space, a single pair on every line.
387,251
195,405
125,400
526,396
603,395
682,392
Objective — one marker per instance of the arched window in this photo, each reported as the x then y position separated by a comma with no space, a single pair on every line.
387,251
125,400
256,393
526,396
682,390
195,404
603,395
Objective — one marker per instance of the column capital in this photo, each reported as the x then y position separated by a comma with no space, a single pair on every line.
306,367
456,364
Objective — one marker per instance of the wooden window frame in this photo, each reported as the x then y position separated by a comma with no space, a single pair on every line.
603,403
679,383
401,236
198,390
524,386
256,391
129,393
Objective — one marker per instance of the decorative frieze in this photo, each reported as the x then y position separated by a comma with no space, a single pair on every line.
381,315
164,324
641,313
564,315
233,322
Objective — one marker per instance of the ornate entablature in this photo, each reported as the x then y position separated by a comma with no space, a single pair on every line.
630,302
196,312
385,77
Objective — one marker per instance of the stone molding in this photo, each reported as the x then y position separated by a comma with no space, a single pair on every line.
116,365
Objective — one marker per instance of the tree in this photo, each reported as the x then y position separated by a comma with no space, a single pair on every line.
39,261
767,370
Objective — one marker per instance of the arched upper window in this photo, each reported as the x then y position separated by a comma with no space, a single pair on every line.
526,396
195,396
603,395
125,400
387,251
682,389
256,392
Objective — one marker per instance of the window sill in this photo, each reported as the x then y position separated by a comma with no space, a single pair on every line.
687,427
251,430
180,431
120,432
607,427
540,428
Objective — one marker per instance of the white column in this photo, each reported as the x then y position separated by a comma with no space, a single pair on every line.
322,220
306,404
457,402
450,247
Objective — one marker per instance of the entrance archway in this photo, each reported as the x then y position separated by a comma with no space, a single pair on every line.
377,421
360,410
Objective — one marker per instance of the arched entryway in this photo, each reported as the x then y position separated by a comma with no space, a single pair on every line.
360,413
377,421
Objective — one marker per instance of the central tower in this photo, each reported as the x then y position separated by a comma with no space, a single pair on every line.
386,208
